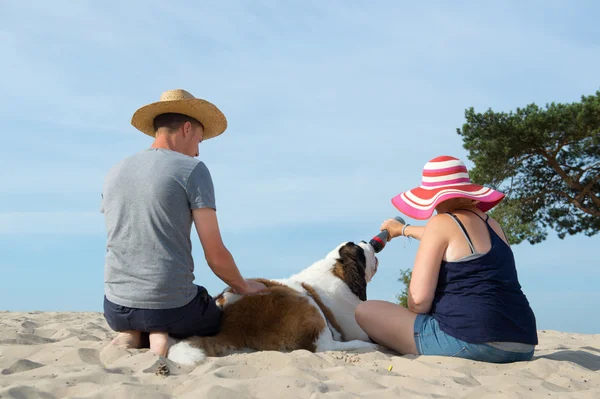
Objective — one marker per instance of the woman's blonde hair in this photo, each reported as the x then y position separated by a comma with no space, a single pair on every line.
455,203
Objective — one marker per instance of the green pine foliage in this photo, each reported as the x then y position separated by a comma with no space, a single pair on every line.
405,276
546,161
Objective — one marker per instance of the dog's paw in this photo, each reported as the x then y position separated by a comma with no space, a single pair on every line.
184,353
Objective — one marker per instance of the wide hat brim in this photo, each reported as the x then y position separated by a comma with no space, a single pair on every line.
208,114
419,203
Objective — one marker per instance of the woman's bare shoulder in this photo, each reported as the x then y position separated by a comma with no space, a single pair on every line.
493,222
439,222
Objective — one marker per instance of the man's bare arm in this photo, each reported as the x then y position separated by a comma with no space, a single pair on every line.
217,256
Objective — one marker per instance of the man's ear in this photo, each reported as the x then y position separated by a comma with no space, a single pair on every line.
186,128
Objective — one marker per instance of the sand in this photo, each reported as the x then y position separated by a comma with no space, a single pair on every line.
67,355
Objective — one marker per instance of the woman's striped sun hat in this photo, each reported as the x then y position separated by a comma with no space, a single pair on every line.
444,178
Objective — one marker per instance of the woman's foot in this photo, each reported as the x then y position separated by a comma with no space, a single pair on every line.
128,340
159,343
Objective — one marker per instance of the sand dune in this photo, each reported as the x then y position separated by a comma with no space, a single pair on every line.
65,355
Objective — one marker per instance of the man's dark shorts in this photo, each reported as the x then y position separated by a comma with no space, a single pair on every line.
200,317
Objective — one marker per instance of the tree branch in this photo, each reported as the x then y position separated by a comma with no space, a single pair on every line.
560,146
591,167
560,171
595,199
583,170
576,202
587,190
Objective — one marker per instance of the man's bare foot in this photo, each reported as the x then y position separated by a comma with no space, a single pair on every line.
128,340
159,343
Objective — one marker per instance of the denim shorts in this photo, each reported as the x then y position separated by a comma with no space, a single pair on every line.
200,317
431,340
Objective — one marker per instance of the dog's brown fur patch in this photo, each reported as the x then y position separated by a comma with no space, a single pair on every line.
280,319
268,283
350,268
326,311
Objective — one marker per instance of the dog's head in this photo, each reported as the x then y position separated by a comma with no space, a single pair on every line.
356,264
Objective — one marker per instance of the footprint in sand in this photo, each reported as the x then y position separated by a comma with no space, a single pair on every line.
110,353
24,392
467,381
28,327
237,372
26,339
89,356
93,326
86,355
20,366
89,338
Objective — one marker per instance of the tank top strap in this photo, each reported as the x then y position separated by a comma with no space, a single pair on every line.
462,228
493,234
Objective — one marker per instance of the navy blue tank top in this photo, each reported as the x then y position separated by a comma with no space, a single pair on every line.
479,299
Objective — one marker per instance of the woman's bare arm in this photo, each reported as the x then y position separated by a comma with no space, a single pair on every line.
394,227
426,269
415,232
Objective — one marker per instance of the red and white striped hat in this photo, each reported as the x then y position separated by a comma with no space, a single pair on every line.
444,178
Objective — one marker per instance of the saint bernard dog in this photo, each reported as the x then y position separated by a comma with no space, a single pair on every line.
311,310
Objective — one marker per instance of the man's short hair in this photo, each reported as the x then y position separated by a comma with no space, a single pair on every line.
173,121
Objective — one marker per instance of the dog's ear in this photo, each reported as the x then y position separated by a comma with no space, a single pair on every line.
351,267
351,251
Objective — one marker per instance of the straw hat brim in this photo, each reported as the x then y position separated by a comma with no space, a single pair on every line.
419,203
208,114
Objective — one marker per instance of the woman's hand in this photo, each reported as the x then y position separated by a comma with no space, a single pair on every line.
393,227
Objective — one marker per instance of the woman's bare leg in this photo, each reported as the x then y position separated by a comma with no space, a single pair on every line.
388,324
159,343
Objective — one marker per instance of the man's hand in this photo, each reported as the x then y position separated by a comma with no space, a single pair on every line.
252,287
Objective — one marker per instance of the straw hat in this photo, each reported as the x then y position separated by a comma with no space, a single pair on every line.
181,102
444,178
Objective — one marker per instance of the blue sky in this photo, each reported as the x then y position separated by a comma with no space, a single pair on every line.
333,108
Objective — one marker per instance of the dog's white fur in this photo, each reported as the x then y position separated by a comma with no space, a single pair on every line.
334,294
183,353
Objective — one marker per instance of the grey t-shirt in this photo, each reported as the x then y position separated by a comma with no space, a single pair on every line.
147,200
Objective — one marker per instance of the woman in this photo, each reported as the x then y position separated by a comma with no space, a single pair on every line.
464,298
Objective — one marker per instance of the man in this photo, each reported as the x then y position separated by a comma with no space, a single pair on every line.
150,201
